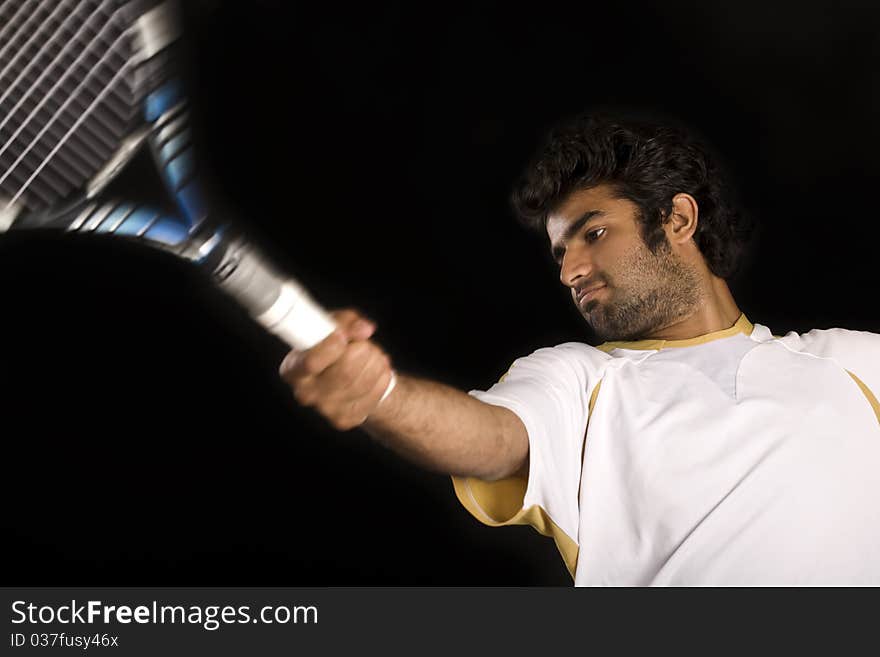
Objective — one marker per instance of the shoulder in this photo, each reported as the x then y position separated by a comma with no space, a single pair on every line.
569,361
858,352
567,355
831,342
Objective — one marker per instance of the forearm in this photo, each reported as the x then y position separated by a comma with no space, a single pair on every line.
444,429
345,376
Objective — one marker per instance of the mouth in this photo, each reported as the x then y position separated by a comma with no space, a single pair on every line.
585,296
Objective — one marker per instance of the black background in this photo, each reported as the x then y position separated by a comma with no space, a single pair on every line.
147,439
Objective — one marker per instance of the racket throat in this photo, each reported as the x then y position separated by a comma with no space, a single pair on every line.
117,162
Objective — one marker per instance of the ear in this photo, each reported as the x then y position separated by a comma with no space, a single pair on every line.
681,224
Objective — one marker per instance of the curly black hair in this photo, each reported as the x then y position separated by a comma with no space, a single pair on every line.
646,163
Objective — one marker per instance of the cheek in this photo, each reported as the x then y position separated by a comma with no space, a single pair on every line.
630,265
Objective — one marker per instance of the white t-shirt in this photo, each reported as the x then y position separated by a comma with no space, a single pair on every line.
735,458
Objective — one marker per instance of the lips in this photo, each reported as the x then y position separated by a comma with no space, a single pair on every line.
587,294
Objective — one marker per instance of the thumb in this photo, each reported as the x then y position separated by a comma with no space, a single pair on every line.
353,326
289,362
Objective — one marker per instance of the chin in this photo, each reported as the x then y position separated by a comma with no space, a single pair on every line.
608,333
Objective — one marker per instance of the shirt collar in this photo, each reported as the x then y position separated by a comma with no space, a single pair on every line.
742,325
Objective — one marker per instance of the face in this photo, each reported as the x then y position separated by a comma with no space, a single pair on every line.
624,291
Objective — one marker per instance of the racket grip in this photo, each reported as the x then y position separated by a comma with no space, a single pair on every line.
282,306
297,319
279,303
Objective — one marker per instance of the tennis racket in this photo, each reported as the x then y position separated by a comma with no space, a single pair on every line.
85,85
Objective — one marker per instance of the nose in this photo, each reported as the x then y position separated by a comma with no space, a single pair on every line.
576,264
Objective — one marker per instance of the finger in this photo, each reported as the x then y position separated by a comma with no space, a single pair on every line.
346,375
324,354
345,316
353,325
347,380
371,369
362,329
306,393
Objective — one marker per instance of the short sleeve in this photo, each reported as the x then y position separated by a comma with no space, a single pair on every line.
858,352
550,391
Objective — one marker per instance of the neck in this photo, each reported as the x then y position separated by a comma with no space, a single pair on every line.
716,310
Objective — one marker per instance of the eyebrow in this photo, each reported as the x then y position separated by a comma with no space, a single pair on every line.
556,250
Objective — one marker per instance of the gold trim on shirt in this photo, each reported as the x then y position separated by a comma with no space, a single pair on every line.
499,503
872,400
742,325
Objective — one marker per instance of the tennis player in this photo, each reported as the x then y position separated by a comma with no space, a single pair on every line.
693,447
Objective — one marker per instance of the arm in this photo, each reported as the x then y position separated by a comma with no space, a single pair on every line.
438,427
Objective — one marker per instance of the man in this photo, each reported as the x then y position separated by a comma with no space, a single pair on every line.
691,448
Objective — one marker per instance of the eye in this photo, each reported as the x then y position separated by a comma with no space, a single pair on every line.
594,235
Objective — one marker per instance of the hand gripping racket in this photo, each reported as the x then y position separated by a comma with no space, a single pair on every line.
84,86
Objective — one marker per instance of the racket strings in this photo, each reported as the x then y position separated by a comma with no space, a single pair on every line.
63,72
86,105
74,34
12,14
43,26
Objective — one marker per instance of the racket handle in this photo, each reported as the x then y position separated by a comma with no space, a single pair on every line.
296,318
282,306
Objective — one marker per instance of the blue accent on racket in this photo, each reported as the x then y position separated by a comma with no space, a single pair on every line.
161,100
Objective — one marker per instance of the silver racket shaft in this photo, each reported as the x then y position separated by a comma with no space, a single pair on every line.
278,303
